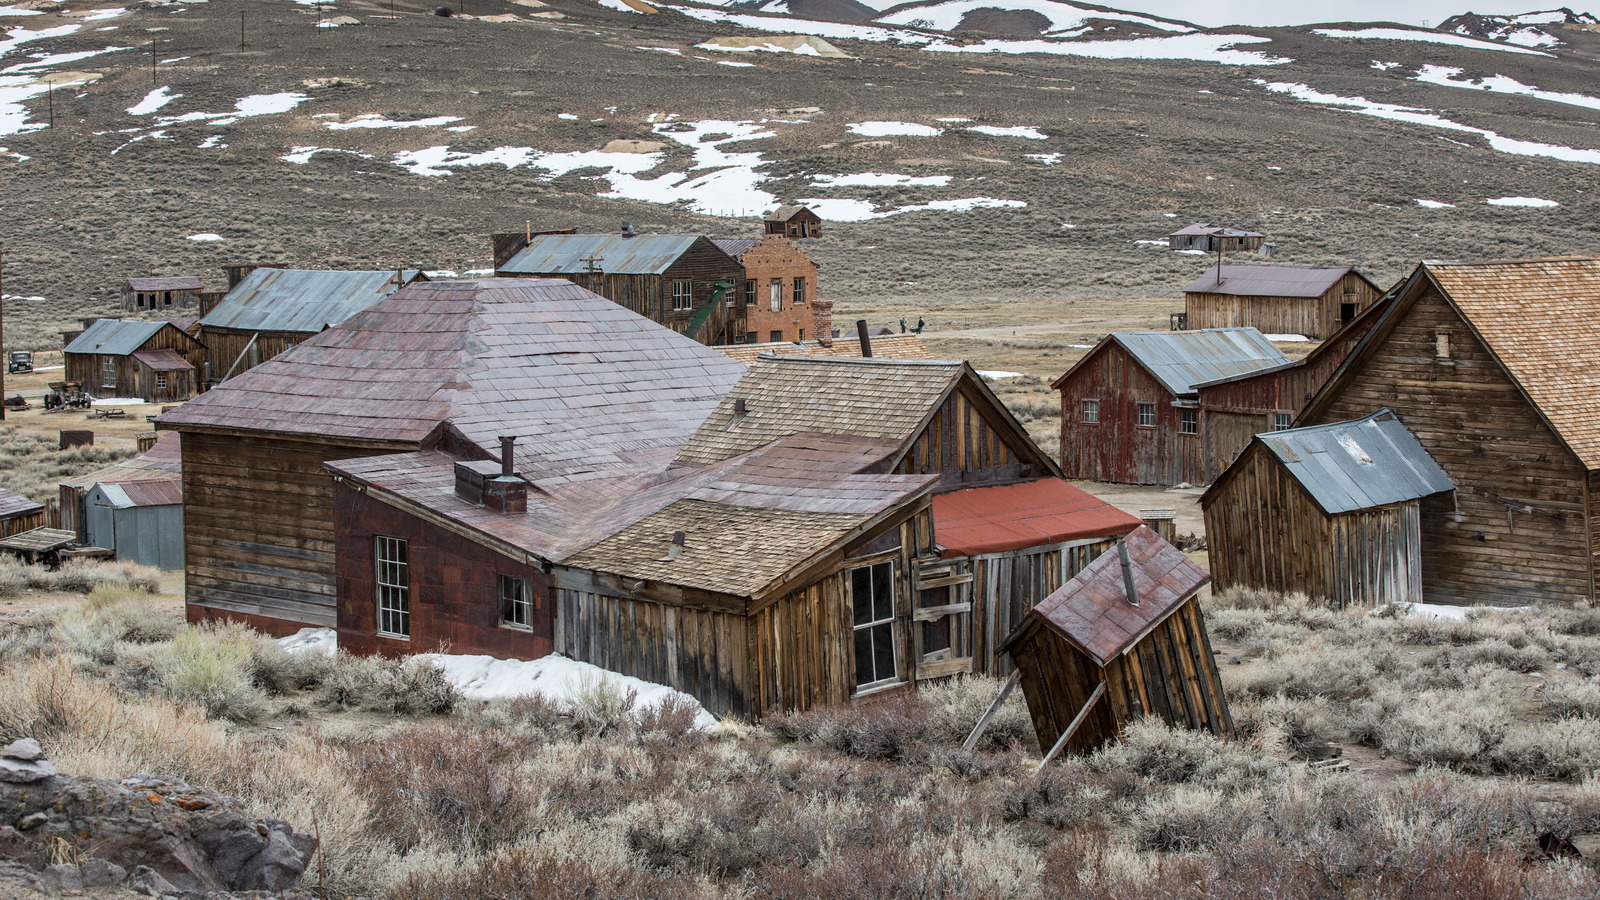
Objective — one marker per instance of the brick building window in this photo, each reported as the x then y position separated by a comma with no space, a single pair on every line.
1091,412
516,602
750,292
682,295
394,587
775,295
1188,421
799,291
1147,415
750,337
776,336
872,597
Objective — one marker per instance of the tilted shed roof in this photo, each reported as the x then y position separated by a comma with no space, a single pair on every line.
1269,281
1182,359
167,283
125,495
734,247
1092,610
163,360
300,300
114,337
1359,464
1013,516
587,386
1541,320
617,254
897,346
13,505
162,462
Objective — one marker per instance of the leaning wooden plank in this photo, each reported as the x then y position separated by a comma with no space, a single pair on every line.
1067,735
988,715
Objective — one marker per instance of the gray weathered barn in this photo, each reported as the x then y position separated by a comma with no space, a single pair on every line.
18,513
1314,301
1333,511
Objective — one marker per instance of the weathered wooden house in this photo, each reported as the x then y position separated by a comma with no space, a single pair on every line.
1130,408
1333,511
153,361
270,310
1235,408
1210,238
683,281
141,521
1314,301
1120,641
780,291
162,462
897,346
794,222
19,514
449,365
163,294
1491,366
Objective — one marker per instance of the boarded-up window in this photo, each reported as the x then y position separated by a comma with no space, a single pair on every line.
1282,421
394,587
516,602
872,596
1441,345
775,295
1147,415
108,371
1188,421
1091,411
682,295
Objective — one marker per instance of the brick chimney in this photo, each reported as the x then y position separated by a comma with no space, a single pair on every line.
493,485
822,320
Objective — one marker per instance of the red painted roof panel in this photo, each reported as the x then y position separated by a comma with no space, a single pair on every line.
1015,516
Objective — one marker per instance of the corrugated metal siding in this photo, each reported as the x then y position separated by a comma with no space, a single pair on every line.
114,337
149,535
564,254
1360,464
299,299
1183,359
1269,281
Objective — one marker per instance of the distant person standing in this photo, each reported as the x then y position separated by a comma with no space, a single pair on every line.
918,329
902,324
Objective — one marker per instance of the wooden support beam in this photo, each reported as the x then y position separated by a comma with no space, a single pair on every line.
988,715
1071,729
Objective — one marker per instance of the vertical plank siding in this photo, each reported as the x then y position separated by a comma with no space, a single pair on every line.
134,379
967,444
1006,585
1314,317
1118,448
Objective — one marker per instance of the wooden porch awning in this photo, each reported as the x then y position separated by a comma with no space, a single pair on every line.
163,360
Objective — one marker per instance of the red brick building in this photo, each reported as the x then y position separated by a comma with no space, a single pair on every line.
780,291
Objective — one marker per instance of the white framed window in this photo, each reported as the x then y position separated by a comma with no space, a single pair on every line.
516,602
682,295
872,597
1188,421
799,291
161,381
108,371
775,294
1147,415
394,586
1282,421
1091,412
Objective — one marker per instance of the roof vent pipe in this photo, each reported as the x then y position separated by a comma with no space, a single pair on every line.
866,341
1127,573
679,539
738,406
508,463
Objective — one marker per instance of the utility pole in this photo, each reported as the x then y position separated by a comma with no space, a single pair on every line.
50,98
153,61
241,31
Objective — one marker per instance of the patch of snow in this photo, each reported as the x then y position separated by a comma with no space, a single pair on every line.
213,142
321,641
153,101
952,119
842,210
1152,243
1192,252
461,128
302,155
1365,107
1530,202
1446,612
1425,37
441,273
35,299
874,180
205,237
1081,346
894,129
374,120
45,368
479,273
1435,204
997,374
98,15
119,401
1198,47
15,11
741,65
1500,84
1020,131
269,104
673,50
1048,159
618,5
49,60
568,116
1063,16
556,677
1287,338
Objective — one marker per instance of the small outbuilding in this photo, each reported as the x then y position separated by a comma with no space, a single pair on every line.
18,514
154,361
1314,301
1213,238
1333,511
794,222
1125,638
142,521
167,293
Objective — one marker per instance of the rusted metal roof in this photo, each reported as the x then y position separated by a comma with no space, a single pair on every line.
898,346
735,247
301,300
182,323
615,254
1198,229
162,462
1270,281
1015,516
13,505
1180,360
169,283
1539,319
114,337
163,360
143,493
1092,610
1360,464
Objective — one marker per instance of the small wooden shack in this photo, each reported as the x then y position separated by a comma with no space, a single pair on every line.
1313,301
1213,238
1124,638
794,222
166,294
19,514
683,281
1333,511
141,521
153,361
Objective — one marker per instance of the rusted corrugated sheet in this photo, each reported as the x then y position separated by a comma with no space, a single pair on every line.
1017,516
614,254
301,300
144,493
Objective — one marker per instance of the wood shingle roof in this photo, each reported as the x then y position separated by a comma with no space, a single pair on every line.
891,346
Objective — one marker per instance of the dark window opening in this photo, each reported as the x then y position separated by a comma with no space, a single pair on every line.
872,599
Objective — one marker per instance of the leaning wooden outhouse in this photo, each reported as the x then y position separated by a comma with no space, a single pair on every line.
1333,511
1123,639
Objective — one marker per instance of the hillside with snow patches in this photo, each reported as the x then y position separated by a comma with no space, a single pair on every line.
1039,157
